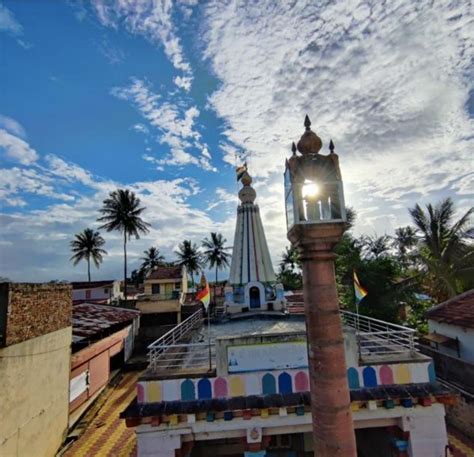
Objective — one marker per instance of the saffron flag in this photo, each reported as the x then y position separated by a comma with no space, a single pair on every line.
360,292
240,171
204,296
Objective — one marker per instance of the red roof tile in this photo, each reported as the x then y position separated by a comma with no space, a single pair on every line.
458,311
166,273
89,319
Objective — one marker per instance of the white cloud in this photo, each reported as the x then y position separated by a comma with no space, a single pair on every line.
152,19
14,181
141,128
388,82
69,171
184,82
16,148
175,124
12,126
113,54
8,23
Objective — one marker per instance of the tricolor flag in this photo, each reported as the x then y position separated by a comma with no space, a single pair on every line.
204,296
360,292
240,171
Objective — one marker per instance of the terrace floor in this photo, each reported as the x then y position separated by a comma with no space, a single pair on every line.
107,434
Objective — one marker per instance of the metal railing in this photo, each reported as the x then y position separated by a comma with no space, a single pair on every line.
159,348
199,356
379,338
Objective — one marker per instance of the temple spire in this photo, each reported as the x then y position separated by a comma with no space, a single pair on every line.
307,123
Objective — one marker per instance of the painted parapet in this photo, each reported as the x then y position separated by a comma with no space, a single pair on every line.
278,382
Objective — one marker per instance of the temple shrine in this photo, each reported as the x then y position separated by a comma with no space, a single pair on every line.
252,281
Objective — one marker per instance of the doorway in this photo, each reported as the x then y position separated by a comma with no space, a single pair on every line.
254,295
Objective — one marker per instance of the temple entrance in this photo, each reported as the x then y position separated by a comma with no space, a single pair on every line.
254,295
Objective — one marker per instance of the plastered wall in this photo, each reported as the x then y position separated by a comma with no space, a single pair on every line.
34,397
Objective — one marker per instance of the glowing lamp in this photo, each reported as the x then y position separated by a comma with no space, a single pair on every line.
313,185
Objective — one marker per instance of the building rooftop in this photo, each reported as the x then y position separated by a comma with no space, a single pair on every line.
175,272
458,311
92,284
90,321
255,324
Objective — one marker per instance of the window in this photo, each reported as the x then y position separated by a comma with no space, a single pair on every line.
88,294
177,285
155,288
106,291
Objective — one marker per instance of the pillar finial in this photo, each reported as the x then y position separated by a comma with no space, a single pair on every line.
331,146
293,148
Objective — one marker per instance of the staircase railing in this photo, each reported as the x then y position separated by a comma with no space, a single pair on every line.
158,348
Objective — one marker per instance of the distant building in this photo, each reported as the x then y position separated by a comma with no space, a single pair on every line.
101,292
165,289
252,281
102,341
451,326
35,349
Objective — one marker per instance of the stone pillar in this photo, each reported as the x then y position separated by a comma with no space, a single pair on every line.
333,430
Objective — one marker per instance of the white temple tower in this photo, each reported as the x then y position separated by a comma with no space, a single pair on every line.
252,279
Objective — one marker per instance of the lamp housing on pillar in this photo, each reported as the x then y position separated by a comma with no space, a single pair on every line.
313,184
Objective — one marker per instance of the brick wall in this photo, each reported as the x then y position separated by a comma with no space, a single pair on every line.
32,310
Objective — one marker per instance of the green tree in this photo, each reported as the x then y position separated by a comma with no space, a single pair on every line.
189,256
87,246
153,258
405,241
121,212
379,272
215,254
290,259
375,246
444,248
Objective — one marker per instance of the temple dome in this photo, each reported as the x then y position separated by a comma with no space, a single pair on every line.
309,143
247,194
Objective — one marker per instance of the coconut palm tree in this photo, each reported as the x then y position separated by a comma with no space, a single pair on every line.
121,211
215,254
190,257
444,250
375,246
405,239
87,245
153,258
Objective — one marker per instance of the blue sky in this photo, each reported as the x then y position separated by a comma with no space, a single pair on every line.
165,97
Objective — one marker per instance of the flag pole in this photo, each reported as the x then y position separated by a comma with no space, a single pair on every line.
356,301
209,335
